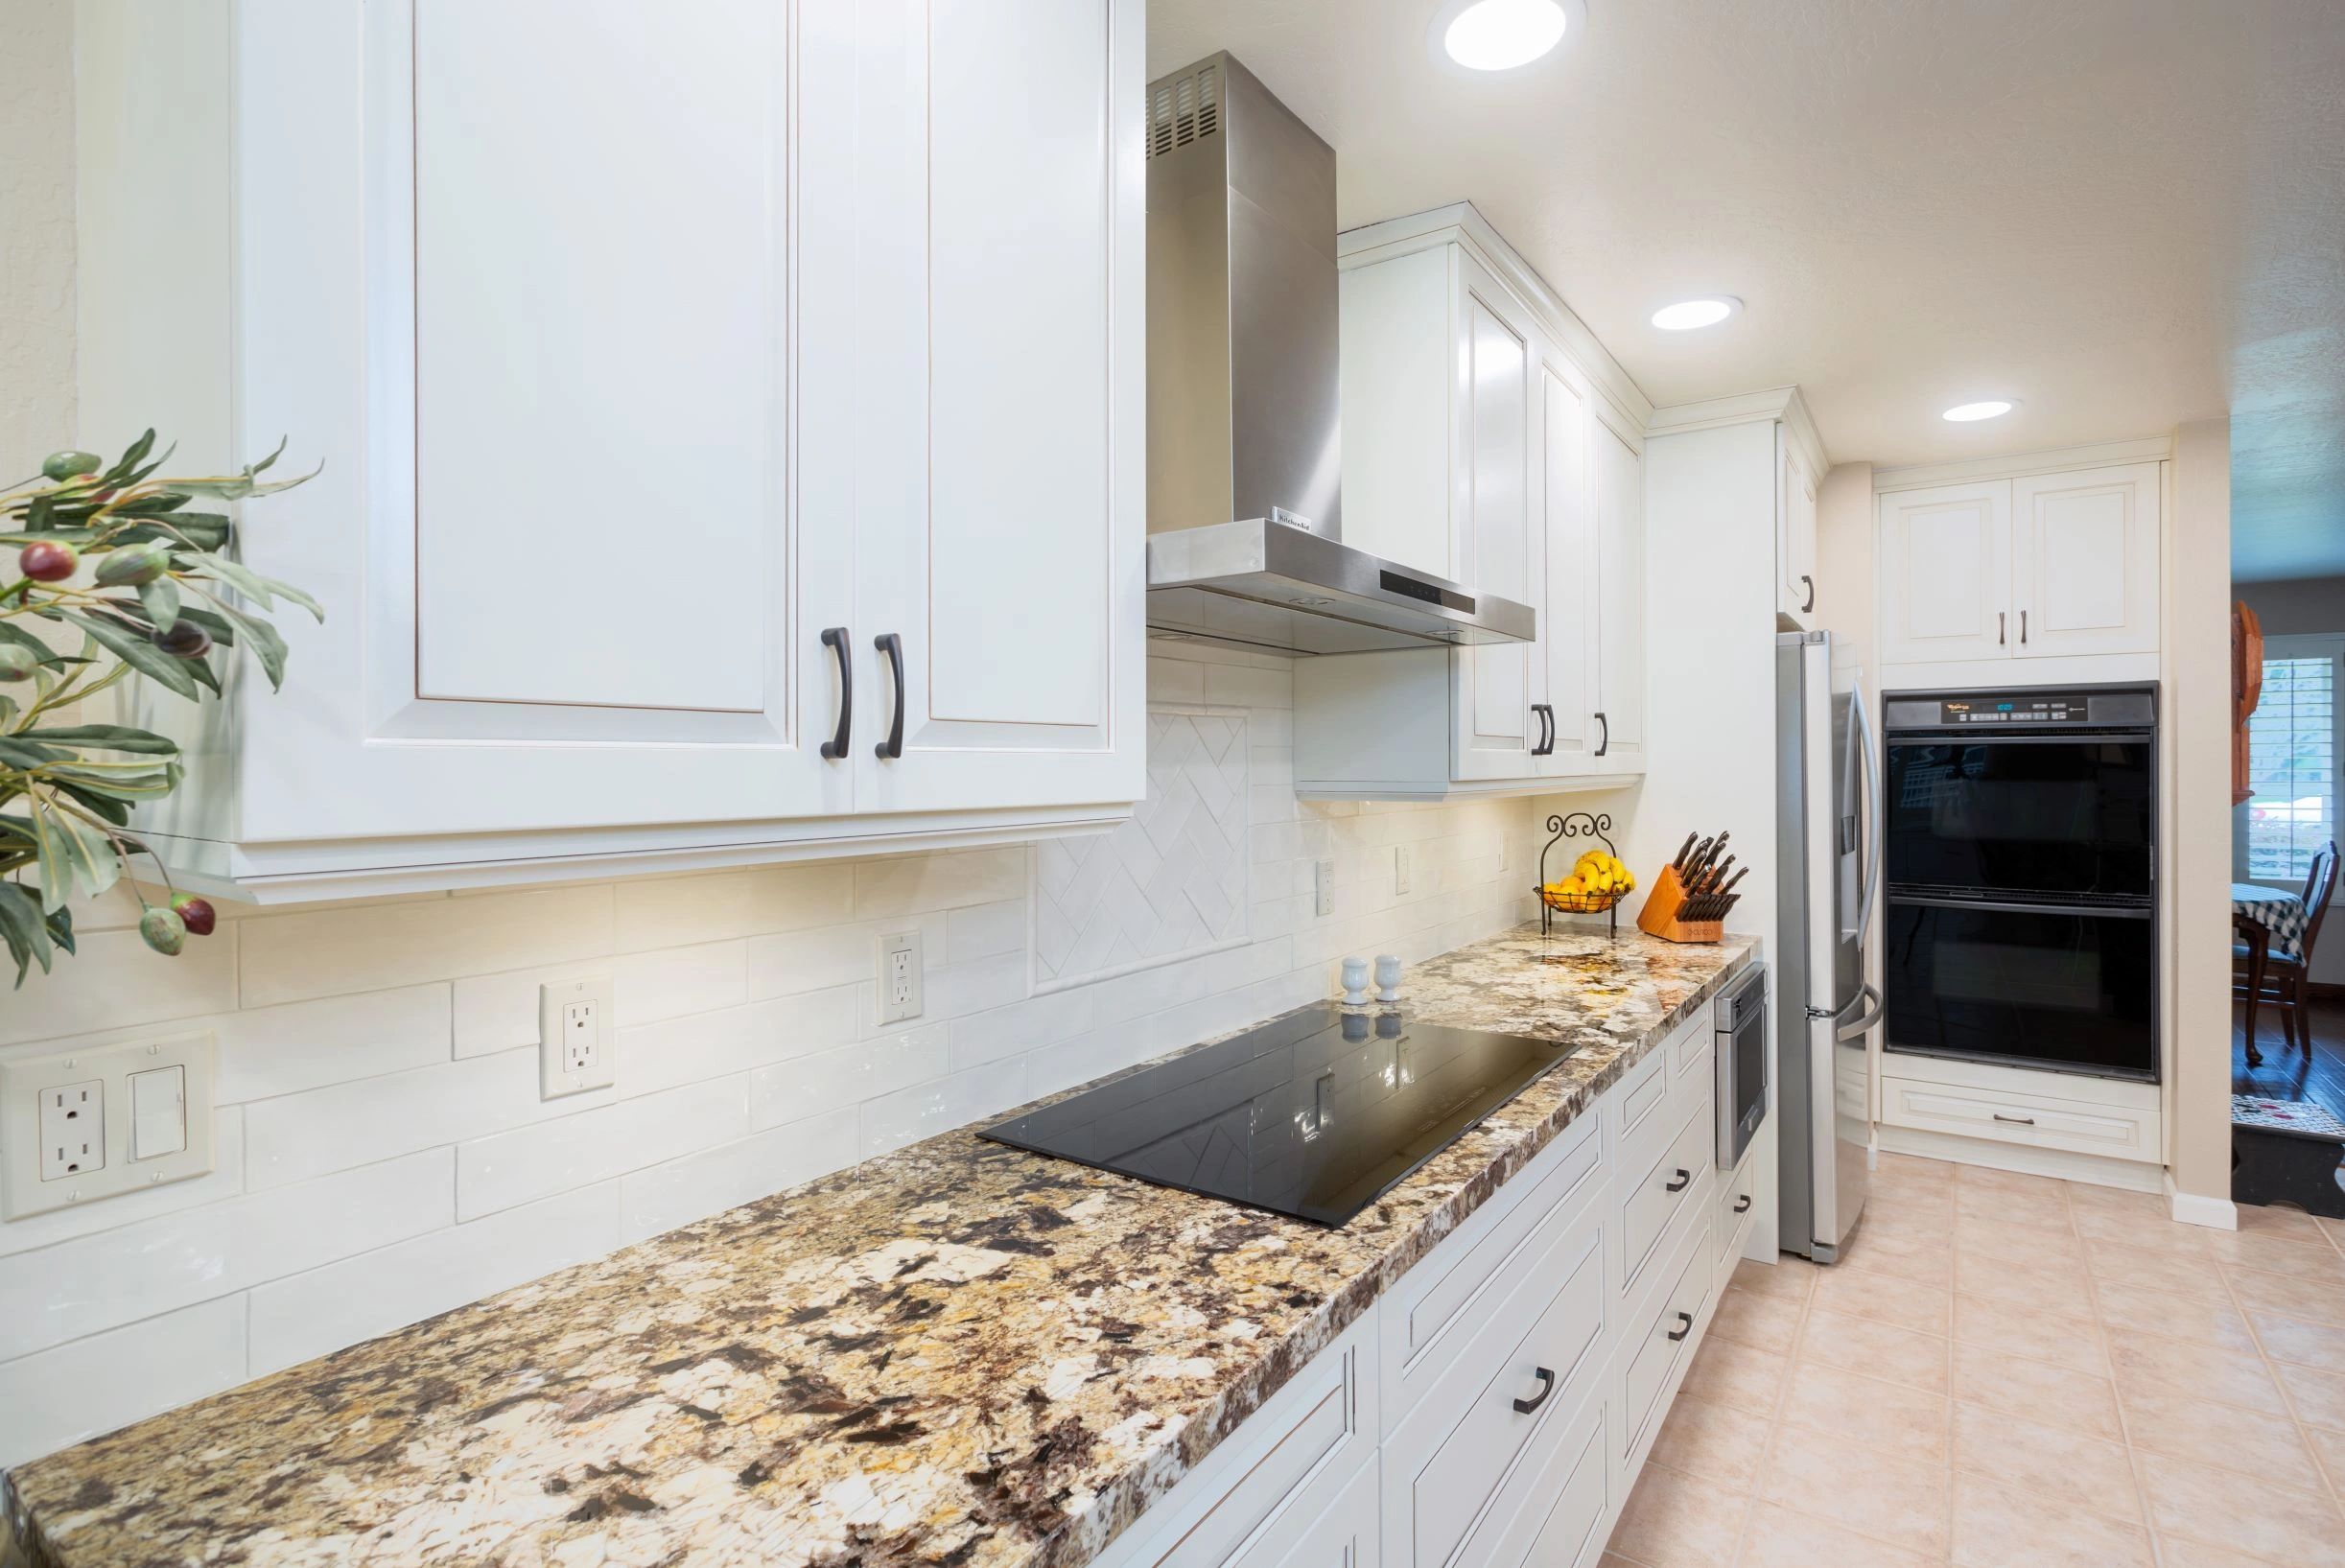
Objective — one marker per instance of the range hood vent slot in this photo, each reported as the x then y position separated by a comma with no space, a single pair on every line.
1185,110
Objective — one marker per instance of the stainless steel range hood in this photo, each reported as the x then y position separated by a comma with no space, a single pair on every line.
1244,458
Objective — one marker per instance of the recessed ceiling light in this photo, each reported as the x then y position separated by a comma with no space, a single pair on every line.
1688,314
1501,34
1962,414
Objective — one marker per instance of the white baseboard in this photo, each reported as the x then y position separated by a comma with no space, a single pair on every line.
2132,1175
2195,1208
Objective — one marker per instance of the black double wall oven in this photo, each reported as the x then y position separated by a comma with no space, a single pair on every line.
2021,853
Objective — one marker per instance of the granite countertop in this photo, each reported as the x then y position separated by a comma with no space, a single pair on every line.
958,1353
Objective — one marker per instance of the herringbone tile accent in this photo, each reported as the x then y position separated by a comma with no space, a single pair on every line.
1169,882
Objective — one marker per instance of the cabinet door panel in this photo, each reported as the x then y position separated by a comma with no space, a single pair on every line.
1568,622
1494,552
1795,530
557,531
995,475
1945,574
2084,562
1620,588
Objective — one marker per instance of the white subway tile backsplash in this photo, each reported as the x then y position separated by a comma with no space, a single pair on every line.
809,1085
307,1315
531,1163
910,1115
288,957
108,1380
979,1038
225,1179
792,962
982,930
266,1051
499,1012
671,911
911,884
115,981
732,1174
735,1039
55,1294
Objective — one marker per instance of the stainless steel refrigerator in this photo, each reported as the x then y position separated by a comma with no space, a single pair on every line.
1828,877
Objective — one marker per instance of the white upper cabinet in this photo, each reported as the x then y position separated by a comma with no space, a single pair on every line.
1471,417
2084,561
2043,565
1795,485
1945,573
660,363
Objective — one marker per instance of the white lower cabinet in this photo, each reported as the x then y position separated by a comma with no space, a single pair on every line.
1494,1407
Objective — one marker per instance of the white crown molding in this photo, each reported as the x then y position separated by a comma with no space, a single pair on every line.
1774,403
2151,449
1460,223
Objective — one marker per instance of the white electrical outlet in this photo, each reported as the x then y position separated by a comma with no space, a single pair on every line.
899,978
1323,899
72,1130
1400,869
98,1121
576,1050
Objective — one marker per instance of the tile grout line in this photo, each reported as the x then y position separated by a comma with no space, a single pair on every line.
2271,1369
2143,1511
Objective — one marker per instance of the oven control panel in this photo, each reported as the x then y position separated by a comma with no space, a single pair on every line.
2020,710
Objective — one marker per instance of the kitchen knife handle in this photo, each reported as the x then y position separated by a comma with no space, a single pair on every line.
892,644
1683,850
834,638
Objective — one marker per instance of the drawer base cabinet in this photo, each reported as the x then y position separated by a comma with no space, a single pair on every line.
1494,1407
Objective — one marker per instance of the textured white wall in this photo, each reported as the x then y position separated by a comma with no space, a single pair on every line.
37,244
383,1152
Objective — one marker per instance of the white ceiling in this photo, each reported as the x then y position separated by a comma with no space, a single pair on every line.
2123,213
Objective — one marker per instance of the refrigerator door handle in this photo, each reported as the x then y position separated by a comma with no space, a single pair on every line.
1861,736
1864,1025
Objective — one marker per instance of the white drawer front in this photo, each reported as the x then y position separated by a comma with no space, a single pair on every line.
1440,1476
1737,1196
2115,1132
1691,1048
1661,1188
1641,1095
1344,1535
1554,1505
1654,1345
1440,1308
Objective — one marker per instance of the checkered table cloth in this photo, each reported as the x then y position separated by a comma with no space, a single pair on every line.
2300,1116
2283,914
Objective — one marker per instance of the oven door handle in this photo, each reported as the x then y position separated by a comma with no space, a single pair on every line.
2008,906
1864,1025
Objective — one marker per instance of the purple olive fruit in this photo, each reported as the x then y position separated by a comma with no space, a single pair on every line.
162,930
197,914
45,560
16,662
184,640
134,564
65,466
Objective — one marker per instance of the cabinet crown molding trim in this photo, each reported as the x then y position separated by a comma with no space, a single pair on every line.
1783,403
1461,223
2148,449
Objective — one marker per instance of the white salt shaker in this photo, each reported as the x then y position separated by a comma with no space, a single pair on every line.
1388,977
1355,982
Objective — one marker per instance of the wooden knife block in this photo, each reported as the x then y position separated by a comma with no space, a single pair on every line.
1660,916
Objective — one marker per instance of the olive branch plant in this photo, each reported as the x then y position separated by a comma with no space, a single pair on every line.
108,555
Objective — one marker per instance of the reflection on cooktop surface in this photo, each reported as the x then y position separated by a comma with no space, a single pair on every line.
1315,1114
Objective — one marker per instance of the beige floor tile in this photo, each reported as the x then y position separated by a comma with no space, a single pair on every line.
1992,1180
2333,1230
2066,1467
2288,1224
1716,1442
1926,1262
2028,1331
1780,1538
2175,1273
2319,1397
2308,1345
2177,1552
2036,1391
1734,1374
2088,1195
2147,1361
1983,1238
2312,1299
2278,1255
1885,1298
2152,1232
1905,1219
1857,1485
2046,1284
1787,1276
2123,1306
2181,1427
1877,1350
1911,1193
2039,1210
2328,1447
1765,1322
1888,1416
1918,1169
2002,1527
2303,1529
1679,1521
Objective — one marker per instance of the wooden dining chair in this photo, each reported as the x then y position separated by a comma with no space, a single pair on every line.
2286,978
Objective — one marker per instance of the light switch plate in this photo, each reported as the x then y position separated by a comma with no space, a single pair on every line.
25,1081
577,1048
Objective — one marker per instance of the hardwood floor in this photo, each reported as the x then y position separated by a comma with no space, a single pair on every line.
2286,1073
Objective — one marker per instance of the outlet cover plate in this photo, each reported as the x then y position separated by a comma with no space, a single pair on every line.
23,1080
899,976
577,1048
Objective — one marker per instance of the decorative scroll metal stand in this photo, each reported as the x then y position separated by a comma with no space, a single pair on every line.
1577,825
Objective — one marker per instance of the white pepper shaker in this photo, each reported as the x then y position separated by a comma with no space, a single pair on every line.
1355,982
1388,977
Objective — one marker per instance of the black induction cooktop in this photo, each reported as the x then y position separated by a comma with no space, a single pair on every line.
1314,1115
